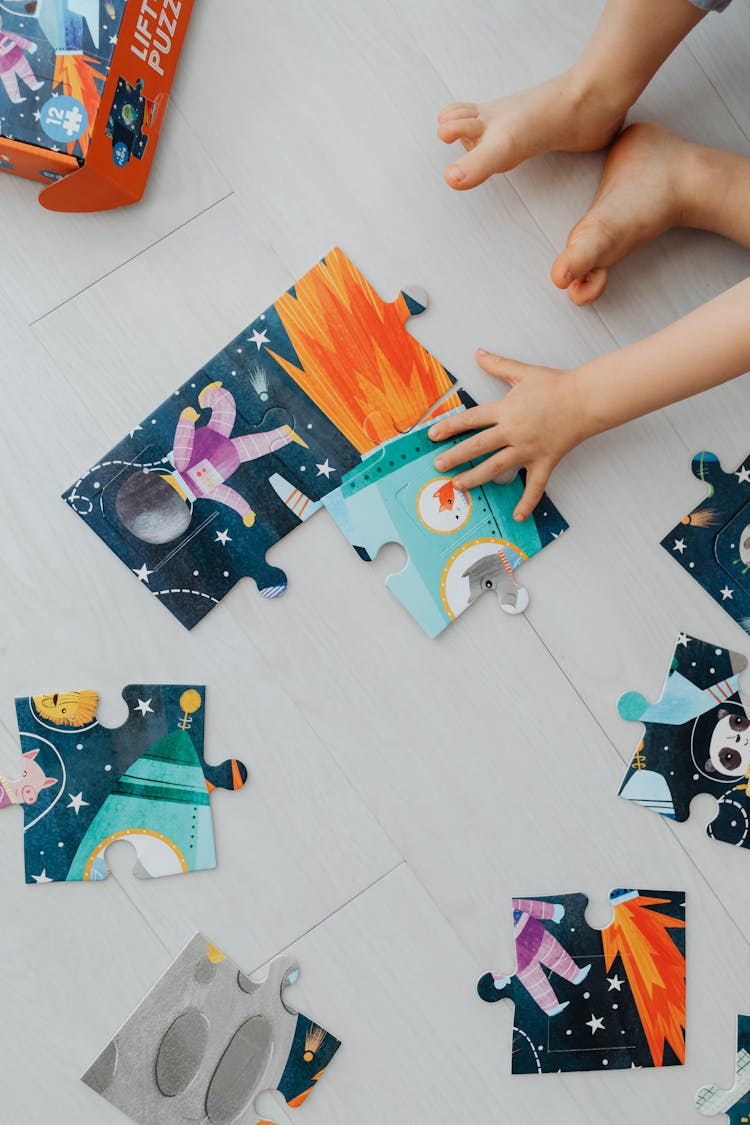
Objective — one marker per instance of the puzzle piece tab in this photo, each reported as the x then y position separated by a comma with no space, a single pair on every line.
196,495
459,543
713,541
84,786
596,999
207,1041
735,1103
696,740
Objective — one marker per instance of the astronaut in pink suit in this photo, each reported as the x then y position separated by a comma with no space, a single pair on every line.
537,949
15,65
205,457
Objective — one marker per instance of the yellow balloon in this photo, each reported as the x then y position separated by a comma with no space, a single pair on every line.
190,701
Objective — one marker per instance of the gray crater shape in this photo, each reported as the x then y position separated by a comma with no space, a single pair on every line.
181,1052
238,1076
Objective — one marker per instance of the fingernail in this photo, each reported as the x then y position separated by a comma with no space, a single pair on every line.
456,173
458,483
518,516
432,432
481,351
439,462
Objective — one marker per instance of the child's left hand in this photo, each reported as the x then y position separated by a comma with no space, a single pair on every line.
540,420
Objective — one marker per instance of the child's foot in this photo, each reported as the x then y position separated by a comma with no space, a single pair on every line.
583,974
557,115
560,1008
642,193
36,85
293,436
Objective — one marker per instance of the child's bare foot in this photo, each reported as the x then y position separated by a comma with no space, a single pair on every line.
562,114
644,190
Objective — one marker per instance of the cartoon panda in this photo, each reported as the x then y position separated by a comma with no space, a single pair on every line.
729,748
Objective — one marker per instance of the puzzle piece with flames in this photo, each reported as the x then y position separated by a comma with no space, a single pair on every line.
589,999
244,451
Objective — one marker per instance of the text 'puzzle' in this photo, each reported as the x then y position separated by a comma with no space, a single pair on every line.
590,999
696,740
84,786
207,1040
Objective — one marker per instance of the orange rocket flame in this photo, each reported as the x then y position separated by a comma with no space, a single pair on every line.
371,378
80,77
655,968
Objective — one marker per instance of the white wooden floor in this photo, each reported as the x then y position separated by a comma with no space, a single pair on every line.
402,790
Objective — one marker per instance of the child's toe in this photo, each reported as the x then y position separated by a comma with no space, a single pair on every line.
460,129
589,248
458,109
473,168
589,288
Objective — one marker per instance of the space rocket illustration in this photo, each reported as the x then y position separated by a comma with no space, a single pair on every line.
160,806
62,22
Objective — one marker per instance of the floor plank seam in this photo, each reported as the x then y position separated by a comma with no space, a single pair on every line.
126,262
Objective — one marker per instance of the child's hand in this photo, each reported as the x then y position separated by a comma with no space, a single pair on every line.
189,414
533,427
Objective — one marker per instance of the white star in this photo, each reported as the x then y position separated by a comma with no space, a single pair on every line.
325,469
680,545
144,706
743,476
113,40
42,878
682,639
76,802
259,338
223,537
726,593
615,983
595,1023
142,573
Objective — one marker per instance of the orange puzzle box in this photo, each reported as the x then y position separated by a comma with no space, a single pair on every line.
84,86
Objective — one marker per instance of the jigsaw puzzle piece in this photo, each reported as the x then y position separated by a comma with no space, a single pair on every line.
241,454
85,786
713,541
696,740
735,1103
207,1041
459,544
590,999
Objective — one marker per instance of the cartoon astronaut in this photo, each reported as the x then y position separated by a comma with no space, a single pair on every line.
536,949
15,65
729,748
155,506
